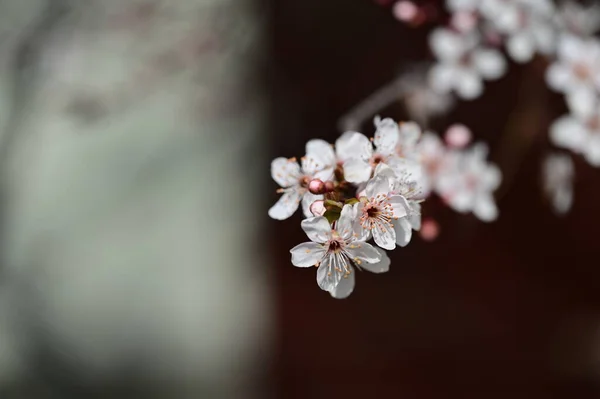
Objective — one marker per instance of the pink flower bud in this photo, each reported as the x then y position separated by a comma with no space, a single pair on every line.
317,208
458,136
316,186
329,186
430,230
405,11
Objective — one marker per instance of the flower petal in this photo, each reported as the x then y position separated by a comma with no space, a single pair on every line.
344,287
321,151
382,266
386,136
307,254
568,132
285,172
364,252
346,222
414,218
442,78
490,63
353,145
400,206
287,205
384,236
307,199
485,208
520,47
468,84
330,273
403,231
558,77
317,229
357,170
378,185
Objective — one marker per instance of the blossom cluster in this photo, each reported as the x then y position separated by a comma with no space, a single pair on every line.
364,190
481,35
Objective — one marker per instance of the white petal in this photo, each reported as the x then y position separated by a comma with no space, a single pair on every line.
377,185
558,77
520,47
442,77
285,171
382,266
414,218
447,45
491,177
468,85
357,170
410,133
346,222
307,201
583,103
592,151
364,252
362,233
386,136
307,254
399,205
344,287
384,170
321,151
545,39
403,232
384,236
286,206
568,132
317,229
329,274
490,63
485,208
353,145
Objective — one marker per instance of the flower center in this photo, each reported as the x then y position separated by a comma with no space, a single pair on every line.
377,159
594,123
378,213
582,71
304,181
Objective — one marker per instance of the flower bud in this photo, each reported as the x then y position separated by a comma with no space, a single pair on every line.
316,186
458,136
329,186
430,230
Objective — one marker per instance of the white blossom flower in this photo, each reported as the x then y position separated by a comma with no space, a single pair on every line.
359,157
580,130
403,185
379,212
337,251
578,19
469,184
526,23
577,65
432,153
294,179
463,63
558,172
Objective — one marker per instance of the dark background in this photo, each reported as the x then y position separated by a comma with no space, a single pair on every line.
508,309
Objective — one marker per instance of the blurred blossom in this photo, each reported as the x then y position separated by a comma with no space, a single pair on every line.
463,63
577,18
558,173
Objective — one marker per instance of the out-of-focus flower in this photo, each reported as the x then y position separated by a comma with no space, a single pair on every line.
580,130
578,19
467,185
577,65
557,173
526,23
463,63
358,155
294,181
336,251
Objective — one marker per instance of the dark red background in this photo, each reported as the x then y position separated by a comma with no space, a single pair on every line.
508,309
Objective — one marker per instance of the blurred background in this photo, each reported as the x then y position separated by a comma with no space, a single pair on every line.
138,260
